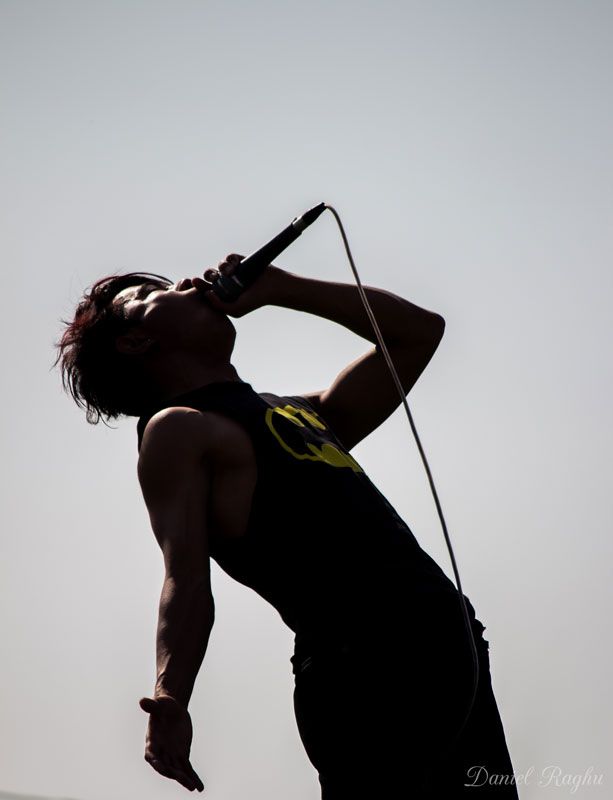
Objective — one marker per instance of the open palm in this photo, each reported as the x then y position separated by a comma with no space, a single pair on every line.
168,741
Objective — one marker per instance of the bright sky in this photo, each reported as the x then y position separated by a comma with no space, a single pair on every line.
467,147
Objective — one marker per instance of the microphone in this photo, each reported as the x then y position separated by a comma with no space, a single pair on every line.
229,287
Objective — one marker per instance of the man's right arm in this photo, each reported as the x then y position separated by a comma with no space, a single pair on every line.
174,476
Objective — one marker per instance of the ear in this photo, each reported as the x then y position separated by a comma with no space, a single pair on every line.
133,343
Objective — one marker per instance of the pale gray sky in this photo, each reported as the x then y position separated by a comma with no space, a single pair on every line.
467,147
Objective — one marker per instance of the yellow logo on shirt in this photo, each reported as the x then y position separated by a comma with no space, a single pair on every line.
318,448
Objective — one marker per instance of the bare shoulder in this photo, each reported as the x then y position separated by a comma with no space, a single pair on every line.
175,430
175,446
179,435
173,420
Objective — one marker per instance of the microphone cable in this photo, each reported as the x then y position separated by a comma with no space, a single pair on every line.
401,392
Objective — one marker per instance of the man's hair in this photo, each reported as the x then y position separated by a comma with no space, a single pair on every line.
101,379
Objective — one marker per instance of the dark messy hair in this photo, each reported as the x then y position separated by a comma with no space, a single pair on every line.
102,380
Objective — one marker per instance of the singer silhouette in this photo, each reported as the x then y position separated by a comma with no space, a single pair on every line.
266,485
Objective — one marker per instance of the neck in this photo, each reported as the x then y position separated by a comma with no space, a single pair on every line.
179,376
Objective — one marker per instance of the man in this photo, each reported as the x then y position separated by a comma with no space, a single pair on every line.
266,485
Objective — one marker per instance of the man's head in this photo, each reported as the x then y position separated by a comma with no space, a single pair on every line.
138,338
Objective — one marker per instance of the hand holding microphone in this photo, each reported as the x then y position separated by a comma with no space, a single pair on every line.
237,273
261,292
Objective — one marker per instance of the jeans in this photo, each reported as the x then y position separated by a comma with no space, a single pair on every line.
378,718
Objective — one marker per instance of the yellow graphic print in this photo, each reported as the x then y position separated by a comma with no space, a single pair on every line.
322,450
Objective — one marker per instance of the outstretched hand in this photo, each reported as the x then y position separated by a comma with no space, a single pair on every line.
168,741
260,293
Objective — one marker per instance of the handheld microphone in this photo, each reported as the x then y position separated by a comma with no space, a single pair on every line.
229,287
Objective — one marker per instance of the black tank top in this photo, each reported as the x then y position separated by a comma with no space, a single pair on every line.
322,545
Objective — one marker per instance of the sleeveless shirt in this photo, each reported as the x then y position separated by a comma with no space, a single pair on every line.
322,545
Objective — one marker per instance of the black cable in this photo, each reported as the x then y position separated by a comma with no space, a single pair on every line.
425,462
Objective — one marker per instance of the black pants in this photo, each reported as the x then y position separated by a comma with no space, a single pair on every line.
378,718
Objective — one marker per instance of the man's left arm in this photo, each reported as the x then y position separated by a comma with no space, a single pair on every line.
364,393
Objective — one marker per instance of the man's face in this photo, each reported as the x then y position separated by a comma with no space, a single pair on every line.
178,316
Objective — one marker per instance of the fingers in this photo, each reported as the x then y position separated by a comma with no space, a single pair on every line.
185,776
233,259
197,781
225,267
183,767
